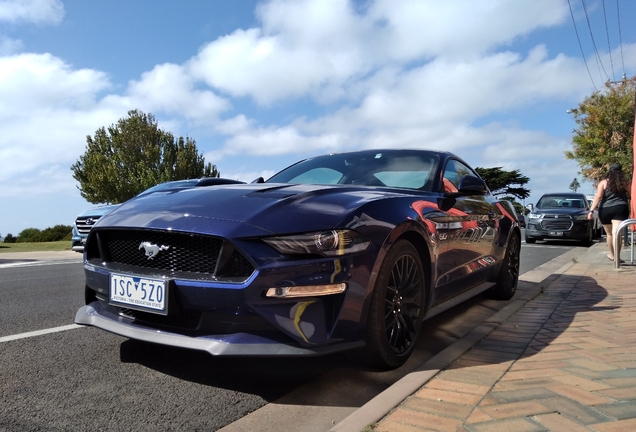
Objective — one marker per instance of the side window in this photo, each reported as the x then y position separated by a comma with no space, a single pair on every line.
453,172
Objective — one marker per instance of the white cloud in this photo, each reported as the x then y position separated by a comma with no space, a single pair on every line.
47,109
170,89
274,141
312,47
33,11
9,46
427,106
459,28
41,81
315,76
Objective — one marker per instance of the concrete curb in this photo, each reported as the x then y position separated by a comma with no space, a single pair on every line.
378,407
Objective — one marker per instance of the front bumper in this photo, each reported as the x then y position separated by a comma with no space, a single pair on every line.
579,230
225,318
235,344
78,242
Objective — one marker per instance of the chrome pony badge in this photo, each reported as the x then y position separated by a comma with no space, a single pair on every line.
152,250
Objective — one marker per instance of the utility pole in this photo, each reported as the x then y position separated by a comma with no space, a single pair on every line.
633,191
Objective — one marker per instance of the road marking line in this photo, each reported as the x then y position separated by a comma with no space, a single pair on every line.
39,332
37,263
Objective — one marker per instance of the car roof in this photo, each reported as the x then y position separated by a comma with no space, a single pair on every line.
564,194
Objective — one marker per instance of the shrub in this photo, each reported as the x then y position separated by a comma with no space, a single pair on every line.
56,233
29,235
34,235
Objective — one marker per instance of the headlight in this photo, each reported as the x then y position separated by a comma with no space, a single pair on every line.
326,243
580,216
534,216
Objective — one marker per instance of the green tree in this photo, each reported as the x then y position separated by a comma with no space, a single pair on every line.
518,207
501,182
575,185
10,239
133,155
56,233
605,130
29,235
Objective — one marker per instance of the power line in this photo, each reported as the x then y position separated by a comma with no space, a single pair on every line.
620,37
581,46
599,63
609,45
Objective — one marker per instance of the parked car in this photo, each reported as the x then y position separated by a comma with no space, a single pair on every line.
560,216
85,220
597,225
349,251
83,224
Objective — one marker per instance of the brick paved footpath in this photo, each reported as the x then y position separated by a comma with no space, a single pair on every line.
566,361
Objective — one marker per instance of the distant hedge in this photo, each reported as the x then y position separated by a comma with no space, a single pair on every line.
34,235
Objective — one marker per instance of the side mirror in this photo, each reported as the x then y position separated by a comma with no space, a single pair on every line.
258,180
530,207
447,203
471,185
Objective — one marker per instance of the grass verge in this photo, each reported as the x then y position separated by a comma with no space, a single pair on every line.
64,245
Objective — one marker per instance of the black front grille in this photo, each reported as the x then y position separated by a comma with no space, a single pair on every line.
556,222
169,253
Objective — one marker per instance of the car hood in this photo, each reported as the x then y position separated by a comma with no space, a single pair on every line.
98,211
252,209
560,210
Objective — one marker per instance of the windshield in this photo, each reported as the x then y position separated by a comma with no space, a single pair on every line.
409,169
560,201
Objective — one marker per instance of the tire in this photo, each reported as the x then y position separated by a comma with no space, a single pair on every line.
598,232
397,308
587,242
508,276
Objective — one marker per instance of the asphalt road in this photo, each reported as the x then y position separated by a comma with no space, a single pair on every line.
84,378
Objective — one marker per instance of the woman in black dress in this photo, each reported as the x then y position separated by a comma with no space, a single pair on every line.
611,199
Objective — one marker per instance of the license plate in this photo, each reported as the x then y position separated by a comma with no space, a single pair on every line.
556,233
139,293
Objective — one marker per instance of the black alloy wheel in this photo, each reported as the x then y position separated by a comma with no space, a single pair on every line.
589,240
508,277
397,307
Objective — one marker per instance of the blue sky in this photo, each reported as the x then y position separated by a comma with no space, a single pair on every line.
262,84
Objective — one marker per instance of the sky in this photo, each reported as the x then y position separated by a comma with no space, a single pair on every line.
262,84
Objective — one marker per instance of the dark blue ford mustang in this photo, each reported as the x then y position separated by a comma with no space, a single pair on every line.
336,252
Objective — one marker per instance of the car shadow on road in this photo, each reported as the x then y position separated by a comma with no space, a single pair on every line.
269,378
274,378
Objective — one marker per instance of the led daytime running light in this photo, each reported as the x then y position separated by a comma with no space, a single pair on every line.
305,291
